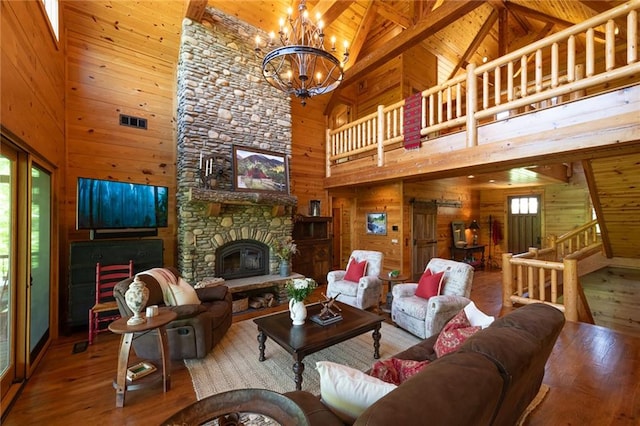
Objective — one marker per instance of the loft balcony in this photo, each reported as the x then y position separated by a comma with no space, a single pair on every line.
571,96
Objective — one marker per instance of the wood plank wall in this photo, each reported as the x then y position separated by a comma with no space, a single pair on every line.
385,199
121,59
395,200
308,154
32,87
440,191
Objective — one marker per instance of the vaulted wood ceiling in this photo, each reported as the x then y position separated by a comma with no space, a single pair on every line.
457,32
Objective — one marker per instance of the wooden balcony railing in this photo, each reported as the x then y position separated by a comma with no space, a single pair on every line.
545,73
550,275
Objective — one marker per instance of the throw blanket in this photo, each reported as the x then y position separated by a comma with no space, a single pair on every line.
411,121
165,278
175,291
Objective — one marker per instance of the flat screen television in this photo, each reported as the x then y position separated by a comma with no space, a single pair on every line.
105,204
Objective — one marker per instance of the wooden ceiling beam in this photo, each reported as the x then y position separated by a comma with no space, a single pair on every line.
503,26
388,12
362,32
354,51
548,18
330,10
501,5
195,9
558,172
539,15
441,17
477,41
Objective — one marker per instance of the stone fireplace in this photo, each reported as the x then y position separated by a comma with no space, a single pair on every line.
223,101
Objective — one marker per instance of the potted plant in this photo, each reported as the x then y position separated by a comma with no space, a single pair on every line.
299,289
284,248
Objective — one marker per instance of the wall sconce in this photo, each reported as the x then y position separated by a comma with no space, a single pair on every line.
474,229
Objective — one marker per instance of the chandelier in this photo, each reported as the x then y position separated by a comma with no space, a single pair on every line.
301,65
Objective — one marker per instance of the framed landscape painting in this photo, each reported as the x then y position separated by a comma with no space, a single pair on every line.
377,223
257,170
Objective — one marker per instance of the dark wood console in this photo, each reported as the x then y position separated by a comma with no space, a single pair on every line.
84,255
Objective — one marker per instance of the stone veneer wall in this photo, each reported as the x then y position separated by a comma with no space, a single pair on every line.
223,100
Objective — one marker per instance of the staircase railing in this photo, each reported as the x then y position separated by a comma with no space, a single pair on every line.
542,74
550,275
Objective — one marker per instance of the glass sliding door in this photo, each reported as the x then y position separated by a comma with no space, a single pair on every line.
40,279
8,189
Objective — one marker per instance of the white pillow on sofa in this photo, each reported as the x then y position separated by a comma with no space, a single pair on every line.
347,391
476,317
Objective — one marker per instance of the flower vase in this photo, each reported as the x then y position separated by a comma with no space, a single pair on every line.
285,268
297,312
136,298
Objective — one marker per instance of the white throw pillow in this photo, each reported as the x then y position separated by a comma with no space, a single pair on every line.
476,317
347,391
184,294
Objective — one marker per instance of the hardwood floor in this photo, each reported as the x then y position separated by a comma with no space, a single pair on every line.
593,373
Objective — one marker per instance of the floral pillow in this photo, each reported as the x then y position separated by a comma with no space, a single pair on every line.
355,270
453,335
396,370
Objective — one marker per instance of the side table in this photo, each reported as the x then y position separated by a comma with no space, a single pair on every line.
469,254
392,281
120,326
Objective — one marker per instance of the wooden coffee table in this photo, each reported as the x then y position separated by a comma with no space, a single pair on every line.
303,340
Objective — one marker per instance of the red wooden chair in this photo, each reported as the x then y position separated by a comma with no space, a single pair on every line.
106,308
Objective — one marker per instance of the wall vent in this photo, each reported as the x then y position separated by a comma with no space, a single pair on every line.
137,122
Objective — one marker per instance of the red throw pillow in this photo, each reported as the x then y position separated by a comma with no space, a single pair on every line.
355,270
453,335
396,370
429,284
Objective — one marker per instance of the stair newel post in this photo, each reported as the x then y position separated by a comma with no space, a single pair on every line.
570,283
507,280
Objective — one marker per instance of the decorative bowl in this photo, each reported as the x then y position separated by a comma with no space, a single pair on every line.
461,244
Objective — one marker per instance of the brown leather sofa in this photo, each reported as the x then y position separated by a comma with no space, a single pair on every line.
196,330
490,380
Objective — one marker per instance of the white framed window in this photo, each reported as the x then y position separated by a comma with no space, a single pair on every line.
51,7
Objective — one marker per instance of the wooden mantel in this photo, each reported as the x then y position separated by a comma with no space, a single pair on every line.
216,199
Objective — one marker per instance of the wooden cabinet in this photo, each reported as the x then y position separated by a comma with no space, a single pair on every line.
84,255
313,238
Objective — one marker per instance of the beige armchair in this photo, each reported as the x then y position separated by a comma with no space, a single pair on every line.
426,317
367,291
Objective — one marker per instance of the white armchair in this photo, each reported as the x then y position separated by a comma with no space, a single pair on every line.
367,291
426,317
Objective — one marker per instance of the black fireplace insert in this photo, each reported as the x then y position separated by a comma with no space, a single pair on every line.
241,259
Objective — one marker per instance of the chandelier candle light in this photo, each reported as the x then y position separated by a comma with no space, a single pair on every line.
301,66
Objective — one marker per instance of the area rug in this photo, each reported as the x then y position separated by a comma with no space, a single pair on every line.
532,406
233,363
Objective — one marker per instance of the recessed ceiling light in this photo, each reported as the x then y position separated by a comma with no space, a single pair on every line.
471,176
492,180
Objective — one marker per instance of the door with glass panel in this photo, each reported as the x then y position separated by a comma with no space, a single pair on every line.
40,277
524,224
8,185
